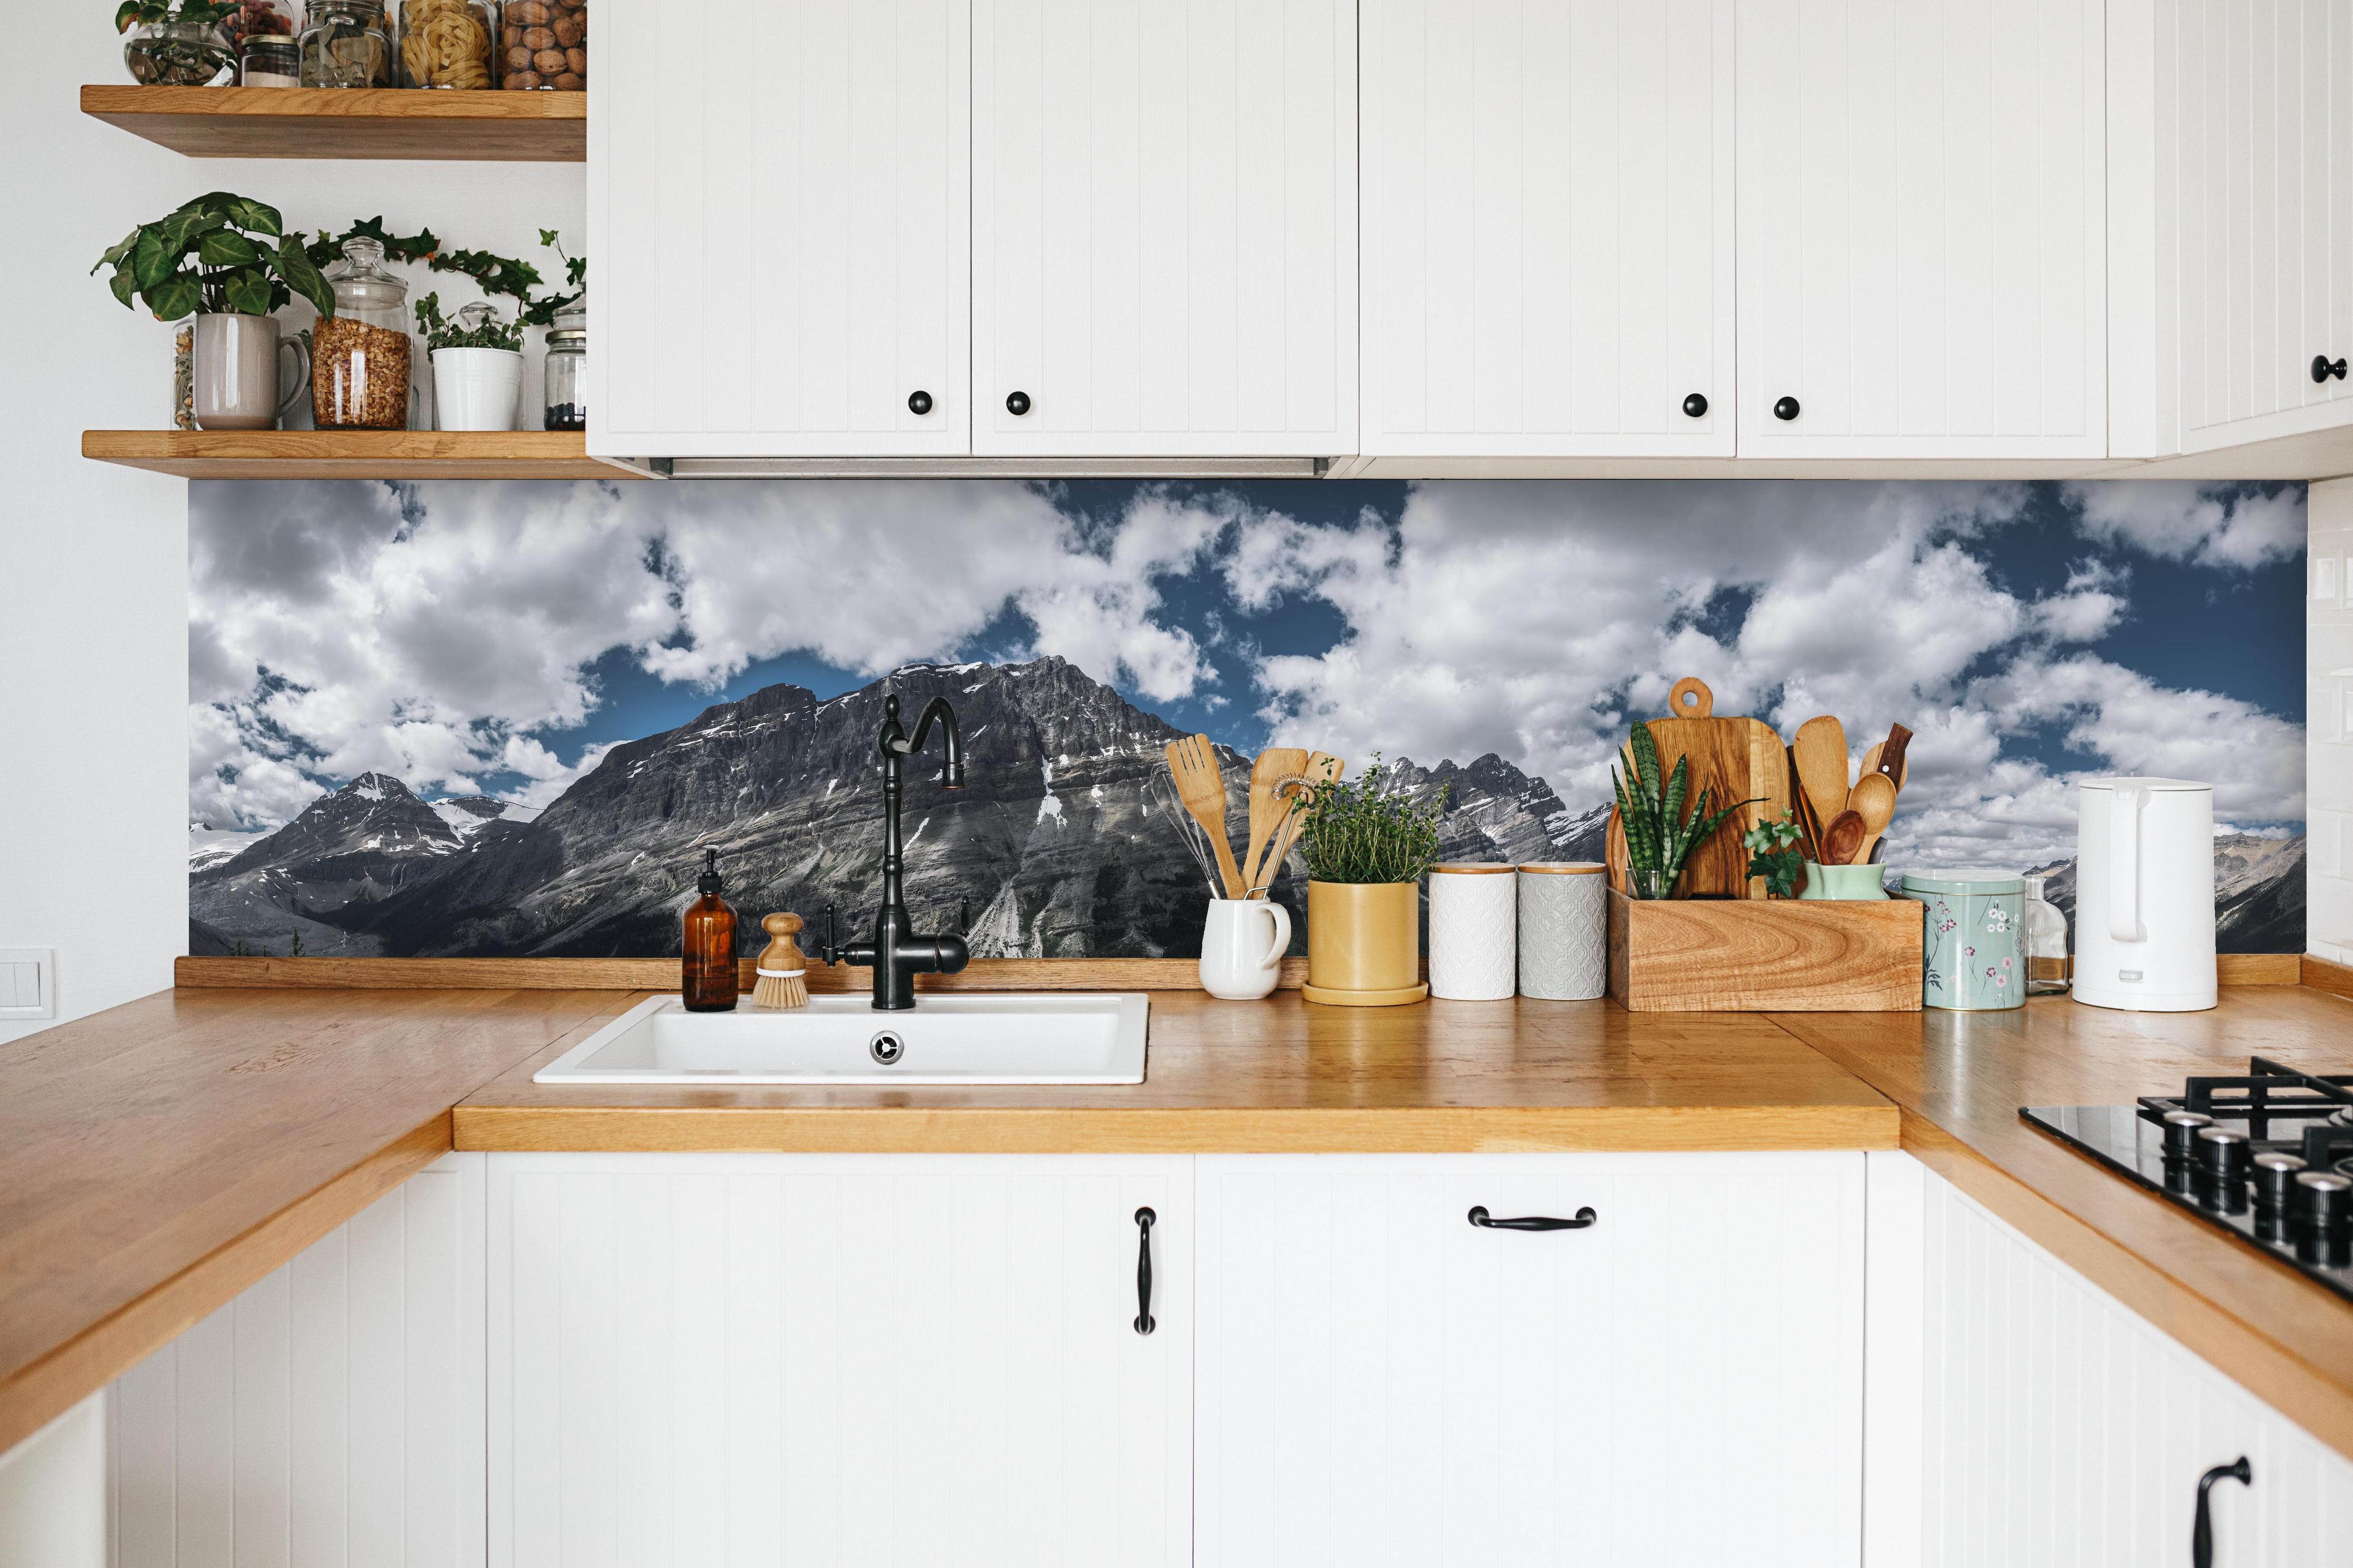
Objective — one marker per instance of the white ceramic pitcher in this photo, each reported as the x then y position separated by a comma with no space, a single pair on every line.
1242,944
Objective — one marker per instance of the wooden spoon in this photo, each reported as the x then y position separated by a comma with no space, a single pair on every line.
1193,764
1267,811
1887,757
1322,767
1819,753
1873,800
1842,839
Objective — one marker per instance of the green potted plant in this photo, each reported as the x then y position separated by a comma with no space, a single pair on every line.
176,43
1660,832
1775,855
226,260
477,365
1367,846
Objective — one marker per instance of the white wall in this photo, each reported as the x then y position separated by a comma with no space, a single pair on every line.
93,558
2328,722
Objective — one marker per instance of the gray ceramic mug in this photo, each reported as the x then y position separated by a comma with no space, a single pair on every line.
236,372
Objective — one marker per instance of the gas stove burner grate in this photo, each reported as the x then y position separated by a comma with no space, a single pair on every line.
2224,1131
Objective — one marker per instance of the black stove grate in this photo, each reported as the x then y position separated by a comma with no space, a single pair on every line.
2281,1110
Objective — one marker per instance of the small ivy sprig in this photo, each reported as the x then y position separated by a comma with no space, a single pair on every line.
147,12
476,326
1774,854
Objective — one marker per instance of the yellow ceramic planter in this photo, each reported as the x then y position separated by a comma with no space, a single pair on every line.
1364,944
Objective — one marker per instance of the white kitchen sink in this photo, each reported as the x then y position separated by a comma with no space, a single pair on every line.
1069,1038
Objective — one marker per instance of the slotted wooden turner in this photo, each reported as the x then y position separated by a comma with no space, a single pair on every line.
1201,785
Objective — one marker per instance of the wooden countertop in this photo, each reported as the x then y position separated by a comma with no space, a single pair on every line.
1278,1076
1960,1079
157,1158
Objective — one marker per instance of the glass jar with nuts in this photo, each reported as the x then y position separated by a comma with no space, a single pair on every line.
449,43
359,355
544,44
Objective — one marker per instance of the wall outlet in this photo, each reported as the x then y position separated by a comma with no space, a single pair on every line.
29,983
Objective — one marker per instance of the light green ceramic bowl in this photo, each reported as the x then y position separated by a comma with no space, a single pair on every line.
1844,882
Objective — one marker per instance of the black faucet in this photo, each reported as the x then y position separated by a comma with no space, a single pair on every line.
897,953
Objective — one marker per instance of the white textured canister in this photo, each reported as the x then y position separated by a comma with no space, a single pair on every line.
1564,929
1472,940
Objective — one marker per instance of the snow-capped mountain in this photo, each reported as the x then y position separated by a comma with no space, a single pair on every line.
470,813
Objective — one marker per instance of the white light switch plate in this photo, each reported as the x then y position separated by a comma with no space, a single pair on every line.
27,983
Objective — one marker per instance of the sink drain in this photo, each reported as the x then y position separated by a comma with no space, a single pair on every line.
886,1048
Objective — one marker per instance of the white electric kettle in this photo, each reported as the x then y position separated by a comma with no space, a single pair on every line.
2144,895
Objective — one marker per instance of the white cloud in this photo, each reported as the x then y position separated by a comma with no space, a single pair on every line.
2210,525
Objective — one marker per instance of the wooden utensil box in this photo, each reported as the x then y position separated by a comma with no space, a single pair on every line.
1751,955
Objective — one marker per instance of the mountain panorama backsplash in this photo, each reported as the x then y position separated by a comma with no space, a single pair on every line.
506,719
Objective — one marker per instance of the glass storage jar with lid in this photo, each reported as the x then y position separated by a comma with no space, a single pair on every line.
346,43
566,370
449,43
270,60
359,356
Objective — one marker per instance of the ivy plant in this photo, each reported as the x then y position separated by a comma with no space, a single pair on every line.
1774,854
147,12
476,326
220,252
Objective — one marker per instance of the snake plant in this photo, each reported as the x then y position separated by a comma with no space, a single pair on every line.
1660,834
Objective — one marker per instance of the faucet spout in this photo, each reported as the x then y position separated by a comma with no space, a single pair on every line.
897,953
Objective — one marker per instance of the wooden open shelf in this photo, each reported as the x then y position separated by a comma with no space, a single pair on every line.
360,122
353,454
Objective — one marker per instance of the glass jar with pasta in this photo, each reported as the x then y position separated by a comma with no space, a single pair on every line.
544,45
449,43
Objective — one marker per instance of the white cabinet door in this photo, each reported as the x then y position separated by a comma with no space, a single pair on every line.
1382,1383
777,213
838,1359
1165,227
1547,227
2254,164
1921,213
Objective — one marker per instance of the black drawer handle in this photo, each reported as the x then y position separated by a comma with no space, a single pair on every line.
2323,367
1785,408
1696,406
919,403
1016,403
1143,1322
1480,1217
2201,1529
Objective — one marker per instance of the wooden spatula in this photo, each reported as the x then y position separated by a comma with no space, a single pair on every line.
1193,764
1873,800
1820,753
1322,768
1842,839
1267,811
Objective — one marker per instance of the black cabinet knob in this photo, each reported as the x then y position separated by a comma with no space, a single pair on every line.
1786,408
1016,403
2323,367
1696,406
919,403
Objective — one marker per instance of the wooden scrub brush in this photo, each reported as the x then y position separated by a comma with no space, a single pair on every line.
782,970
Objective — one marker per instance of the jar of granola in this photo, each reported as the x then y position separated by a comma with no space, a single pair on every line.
449,43
359,356
544,44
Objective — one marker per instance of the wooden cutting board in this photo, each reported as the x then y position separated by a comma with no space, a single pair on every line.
1734,759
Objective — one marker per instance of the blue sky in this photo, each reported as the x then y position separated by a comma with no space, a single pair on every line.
499,637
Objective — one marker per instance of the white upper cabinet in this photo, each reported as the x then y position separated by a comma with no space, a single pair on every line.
1164,227
2234,219
779,220
1547,227
1922,228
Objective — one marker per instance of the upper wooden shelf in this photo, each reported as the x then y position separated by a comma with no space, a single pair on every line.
360,122
353,454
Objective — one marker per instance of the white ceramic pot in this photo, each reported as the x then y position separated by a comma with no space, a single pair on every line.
1242,944
1564,929
1472,940
476,389
235,371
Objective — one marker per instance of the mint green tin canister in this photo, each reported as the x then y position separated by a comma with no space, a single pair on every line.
1975,940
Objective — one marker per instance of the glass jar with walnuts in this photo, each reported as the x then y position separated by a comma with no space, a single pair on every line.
449,43
544,44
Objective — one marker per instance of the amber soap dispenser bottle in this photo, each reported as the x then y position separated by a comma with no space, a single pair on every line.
708,984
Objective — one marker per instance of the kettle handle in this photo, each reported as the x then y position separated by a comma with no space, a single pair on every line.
2124,864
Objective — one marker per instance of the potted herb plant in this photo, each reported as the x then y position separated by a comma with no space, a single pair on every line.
226,260
1660,832
477,365
176,43
1367,844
